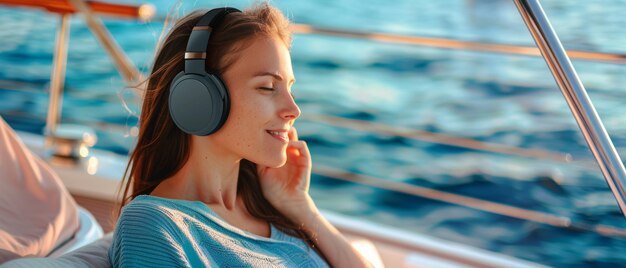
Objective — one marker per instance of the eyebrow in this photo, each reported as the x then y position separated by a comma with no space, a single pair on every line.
276,76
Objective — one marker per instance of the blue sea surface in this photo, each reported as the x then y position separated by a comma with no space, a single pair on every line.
496,98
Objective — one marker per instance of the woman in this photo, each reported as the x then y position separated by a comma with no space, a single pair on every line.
238,196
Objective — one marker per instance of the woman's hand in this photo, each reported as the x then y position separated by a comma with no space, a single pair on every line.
287,187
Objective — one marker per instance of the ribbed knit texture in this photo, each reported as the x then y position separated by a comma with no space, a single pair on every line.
161,232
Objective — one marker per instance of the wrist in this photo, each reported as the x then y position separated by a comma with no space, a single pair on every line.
305,213
309,218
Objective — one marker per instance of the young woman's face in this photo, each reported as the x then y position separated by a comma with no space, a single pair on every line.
262,107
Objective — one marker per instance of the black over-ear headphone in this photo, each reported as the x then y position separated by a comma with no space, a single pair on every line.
199,102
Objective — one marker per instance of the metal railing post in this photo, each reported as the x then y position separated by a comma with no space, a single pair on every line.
125,66
576,96
57,79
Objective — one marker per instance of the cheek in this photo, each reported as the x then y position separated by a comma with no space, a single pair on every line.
251,112
243,126
244,116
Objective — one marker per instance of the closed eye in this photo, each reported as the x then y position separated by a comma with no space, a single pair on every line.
273,89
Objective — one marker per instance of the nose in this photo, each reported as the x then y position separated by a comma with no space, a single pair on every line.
290,109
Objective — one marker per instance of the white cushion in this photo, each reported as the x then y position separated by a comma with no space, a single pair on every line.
37,213
95,254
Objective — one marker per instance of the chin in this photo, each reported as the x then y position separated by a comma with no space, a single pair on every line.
275,161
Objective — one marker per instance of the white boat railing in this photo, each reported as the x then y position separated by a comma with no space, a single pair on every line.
470,202
432,137
615,58
575,94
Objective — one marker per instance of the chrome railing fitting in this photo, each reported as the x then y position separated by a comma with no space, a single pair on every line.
576,96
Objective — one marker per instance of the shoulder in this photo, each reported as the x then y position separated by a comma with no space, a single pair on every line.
146,211
143,216
148,215
145,233
146,207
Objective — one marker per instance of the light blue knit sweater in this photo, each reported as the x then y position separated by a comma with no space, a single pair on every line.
161,232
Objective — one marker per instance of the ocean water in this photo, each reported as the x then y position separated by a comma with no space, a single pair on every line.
503,99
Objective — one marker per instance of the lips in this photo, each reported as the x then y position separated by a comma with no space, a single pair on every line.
280,134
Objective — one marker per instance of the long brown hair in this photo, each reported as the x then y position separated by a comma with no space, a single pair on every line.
162,148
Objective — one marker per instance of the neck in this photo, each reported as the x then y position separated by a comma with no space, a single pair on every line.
210,175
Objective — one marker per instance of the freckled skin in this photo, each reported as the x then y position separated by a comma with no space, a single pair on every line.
254,111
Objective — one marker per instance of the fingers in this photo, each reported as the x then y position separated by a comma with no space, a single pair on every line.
293,134
302,149
298,148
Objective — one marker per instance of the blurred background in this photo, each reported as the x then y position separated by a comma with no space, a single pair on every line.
491,126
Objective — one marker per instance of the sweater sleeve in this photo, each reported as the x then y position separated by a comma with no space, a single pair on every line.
146,237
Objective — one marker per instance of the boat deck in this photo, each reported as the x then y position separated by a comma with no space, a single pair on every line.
102,210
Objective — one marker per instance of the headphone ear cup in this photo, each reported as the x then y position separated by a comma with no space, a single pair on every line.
225,97
198,104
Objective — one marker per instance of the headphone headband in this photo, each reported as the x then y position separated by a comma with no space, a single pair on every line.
199,103
195,54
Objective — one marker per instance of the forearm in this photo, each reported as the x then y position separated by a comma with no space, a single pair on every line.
331,242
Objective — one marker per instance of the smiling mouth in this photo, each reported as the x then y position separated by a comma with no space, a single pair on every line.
280,135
